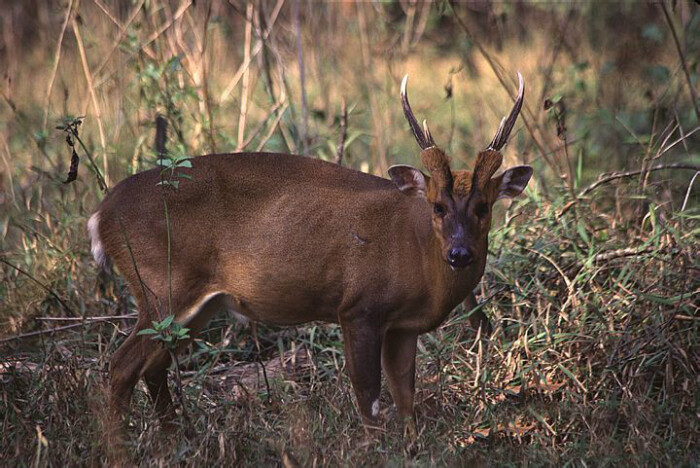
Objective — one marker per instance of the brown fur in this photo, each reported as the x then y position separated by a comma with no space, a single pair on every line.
462,183
291,239
486,165
436,162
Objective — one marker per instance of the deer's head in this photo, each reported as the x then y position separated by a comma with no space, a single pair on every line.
461,200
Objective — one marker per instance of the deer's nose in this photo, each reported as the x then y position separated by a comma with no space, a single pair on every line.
459,257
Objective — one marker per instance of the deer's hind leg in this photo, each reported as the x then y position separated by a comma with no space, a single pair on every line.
141,357
124,372
155,375
138,357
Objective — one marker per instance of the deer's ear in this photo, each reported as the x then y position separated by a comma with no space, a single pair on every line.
409,180
513,181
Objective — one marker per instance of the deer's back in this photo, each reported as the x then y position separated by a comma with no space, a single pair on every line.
273,230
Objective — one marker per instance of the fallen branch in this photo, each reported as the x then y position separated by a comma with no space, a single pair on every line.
88,319
628,252
52,330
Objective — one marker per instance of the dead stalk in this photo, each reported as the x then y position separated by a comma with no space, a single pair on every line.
496,68
246,76
56,60
681,56
343,132
93,97
258,47
302,80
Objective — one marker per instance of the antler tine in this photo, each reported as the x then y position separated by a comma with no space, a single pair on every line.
428,136
507,123
415,127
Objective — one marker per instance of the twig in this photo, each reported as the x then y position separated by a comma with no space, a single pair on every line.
57,59
170,264
50,331
246,77
267,383
269,133
620,175
123,29
178,388
495,69
43,286
693,96
144,287
205,79
562,31
161,136
93,97
424,15
155,35
379,156
7,151
408,27
258,47
302,81
687,192
100,179
260,127
343,133
89,319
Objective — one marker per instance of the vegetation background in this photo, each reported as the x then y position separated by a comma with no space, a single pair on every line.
593,277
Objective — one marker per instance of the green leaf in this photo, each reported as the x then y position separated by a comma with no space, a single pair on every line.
167,321
581,229
147,331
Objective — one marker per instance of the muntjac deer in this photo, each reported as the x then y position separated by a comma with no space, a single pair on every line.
288,239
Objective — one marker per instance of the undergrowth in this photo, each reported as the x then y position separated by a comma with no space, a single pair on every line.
592,290
592,361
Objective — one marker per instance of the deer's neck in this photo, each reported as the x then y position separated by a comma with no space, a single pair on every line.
449,286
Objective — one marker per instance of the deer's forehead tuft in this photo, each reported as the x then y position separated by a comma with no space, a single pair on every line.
462,183
434,159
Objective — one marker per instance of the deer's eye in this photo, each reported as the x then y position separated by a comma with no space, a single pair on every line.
481,210
439,209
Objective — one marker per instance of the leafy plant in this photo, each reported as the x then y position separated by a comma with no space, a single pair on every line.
167,331
170,167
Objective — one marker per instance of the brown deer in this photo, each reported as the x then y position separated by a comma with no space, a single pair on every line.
287,239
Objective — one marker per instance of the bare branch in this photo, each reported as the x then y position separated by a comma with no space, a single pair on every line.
621,175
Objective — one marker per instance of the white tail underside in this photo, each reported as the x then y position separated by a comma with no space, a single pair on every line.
98,251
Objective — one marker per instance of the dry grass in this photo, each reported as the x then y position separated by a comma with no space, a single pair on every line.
594,355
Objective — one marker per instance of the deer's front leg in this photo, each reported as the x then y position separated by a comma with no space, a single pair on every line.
399,364
363,344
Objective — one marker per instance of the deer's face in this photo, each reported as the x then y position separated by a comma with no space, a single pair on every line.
453,229
461,201
461,217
